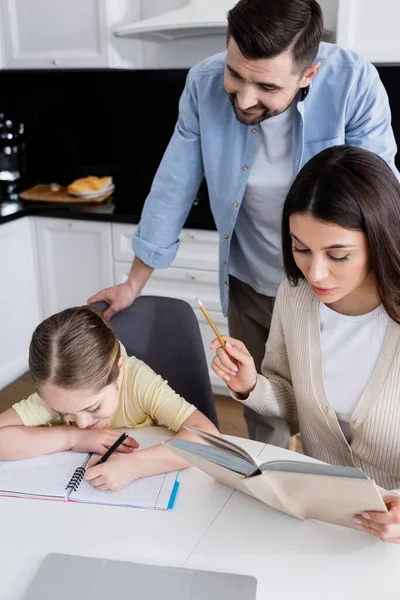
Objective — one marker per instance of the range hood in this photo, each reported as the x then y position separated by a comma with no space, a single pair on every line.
197,18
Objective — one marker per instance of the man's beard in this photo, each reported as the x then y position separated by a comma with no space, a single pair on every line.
266,113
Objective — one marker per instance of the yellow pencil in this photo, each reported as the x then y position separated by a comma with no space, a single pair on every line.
211,323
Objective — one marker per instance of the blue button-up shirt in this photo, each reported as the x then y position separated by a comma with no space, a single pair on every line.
347,103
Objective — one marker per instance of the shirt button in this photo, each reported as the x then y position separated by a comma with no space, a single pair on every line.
226,283
245,168
226,236
254,130
224,261
235,205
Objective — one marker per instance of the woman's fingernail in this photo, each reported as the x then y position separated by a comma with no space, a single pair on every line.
227,378
366,515
234,373
358,526
228,345
357,521
235,369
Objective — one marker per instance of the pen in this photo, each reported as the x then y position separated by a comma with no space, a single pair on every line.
112,449
211,323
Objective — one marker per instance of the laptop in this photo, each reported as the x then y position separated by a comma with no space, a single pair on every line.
69,577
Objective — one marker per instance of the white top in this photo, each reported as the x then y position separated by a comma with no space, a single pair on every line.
350,349
256,253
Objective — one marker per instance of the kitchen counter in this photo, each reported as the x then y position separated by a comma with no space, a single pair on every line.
111,210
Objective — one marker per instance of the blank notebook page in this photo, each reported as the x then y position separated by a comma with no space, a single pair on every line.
150,492
45,476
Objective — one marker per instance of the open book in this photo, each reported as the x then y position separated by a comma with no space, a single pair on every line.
302,489
59,477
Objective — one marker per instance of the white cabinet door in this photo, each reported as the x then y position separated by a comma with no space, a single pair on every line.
370,28
198,248
186,284
55,33
75,261
19,305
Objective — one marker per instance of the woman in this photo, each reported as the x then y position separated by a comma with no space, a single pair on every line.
332,361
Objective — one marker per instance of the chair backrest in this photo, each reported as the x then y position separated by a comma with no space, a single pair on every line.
165,334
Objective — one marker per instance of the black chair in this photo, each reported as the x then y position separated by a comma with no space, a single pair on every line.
165,334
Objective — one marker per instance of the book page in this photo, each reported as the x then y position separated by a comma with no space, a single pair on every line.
149,492
226,445
216,455
44,476
294,466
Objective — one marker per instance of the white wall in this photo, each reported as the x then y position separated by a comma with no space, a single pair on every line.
179,53
130,53
124,52
330,11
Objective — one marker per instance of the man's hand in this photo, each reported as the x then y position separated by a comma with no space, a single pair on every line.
121,296
112,475
99,440
118,297
385,526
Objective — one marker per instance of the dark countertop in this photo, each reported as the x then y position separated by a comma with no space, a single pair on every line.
110,211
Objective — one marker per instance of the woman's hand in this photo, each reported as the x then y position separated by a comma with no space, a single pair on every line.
113,475
234,365
99,440
385,526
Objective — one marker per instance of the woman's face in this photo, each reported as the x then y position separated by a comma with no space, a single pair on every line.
87,409
334,260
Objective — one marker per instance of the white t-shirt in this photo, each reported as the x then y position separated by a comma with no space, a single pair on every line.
350,349
256,251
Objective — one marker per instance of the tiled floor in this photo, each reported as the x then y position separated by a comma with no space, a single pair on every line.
229,412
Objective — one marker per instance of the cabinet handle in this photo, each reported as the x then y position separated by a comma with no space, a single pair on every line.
55,62
192,277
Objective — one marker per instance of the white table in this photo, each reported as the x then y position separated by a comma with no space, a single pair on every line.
30,529
296,560
211,527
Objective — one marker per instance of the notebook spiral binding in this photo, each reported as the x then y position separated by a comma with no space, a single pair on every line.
76,479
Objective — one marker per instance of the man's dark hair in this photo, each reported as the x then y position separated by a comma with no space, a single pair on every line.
266,28
355,189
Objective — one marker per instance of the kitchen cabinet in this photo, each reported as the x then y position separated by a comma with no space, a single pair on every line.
193,274
370,28
53,33
53,264
75,260
19,300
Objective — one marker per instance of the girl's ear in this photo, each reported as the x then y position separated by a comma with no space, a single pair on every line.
121,367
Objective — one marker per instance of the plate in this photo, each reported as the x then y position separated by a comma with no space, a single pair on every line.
94,193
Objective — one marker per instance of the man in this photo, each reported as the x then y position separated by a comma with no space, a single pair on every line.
249,119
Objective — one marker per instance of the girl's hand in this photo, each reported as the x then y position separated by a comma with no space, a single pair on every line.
234,365
99,440
113,475
385,526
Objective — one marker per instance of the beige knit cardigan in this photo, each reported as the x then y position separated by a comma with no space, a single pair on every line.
292,387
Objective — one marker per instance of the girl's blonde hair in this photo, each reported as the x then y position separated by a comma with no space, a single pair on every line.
74,349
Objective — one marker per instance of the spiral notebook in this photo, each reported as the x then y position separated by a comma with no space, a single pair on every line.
60,477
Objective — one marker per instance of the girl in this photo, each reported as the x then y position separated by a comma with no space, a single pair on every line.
83,375
332,361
